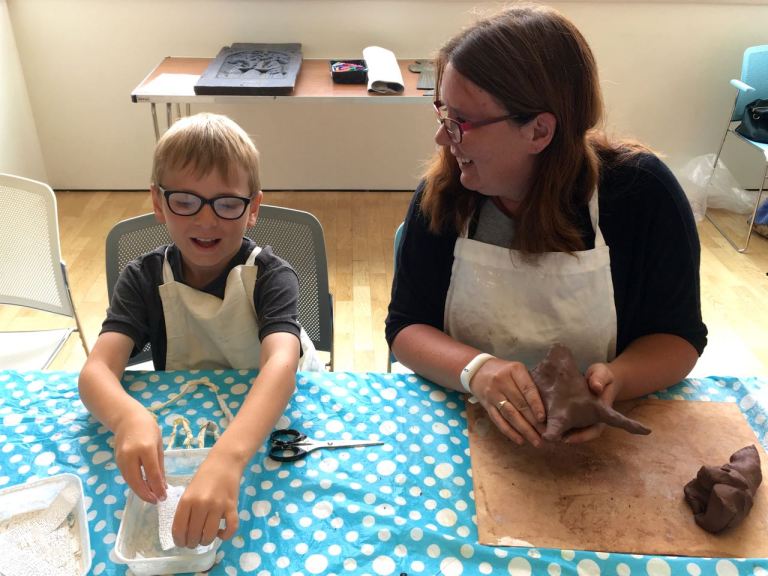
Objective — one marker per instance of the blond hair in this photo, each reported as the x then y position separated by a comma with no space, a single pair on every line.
207,142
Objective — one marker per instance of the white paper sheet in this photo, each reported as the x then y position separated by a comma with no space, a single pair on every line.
384,76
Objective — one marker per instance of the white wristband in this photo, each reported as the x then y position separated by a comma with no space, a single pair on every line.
473,366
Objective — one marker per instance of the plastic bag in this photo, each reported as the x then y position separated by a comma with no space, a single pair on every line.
723,193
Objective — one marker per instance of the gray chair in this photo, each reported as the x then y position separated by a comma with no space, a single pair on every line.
752,85
295,236
32,274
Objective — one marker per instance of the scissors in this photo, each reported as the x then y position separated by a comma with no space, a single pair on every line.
288,445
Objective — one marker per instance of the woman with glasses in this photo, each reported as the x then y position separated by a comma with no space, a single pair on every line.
532,228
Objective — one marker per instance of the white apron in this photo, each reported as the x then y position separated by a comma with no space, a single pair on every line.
516,310
206,333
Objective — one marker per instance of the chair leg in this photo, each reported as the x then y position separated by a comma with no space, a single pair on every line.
56,352
82,335
706,192
74,310
77,320
712,175
757,205
717,157
754,209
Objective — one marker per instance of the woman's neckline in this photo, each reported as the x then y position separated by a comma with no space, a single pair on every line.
503,208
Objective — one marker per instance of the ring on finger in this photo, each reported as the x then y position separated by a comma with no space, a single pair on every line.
500,404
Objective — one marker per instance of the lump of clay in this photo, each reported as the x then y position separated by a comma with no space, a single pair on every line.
721,496
567,399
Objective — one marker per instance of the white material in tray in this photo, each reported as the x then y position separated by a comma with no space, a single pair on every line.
44,529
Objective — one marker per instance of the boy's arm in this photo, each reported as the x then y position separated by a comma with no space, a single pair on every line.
213,493
138,441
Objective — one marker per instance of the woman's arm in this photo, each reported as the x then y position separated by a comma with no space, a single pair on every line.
439,358
649,364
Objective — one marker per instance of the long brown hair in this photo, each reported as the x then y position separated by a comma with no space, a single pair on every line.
532,60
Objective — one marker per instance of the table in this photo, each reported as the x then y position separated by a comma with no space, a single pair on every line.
403,507
173,80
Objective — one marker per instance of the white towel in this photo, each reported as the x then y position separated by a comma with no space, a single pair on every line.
384,76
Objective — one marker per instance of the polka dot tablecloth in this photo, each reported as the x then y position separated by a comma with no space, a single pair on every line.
405,507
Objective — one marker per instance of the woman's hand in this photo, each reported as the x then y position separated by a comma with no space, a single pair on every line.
508,394
211,497
139,447
602,383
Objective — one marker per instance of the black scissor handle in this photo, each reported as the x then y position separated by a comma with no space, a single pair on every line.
283,445
286,452
286,436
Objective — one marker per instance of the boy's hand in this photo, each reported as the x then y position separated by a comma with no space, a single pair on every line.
139,446
212,496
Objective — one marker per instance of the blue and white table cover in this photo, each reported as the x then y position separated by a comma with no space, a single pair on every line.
405,507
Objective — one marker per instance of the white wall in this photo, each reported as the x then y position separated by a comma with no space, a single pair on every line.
664,69
20,152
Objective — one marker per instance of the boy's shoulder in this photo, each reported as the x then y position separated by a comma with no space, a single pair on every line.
267,260
149,266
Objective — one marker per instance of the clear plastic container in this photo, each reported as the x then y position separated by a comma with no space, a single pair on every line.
42,496
138,541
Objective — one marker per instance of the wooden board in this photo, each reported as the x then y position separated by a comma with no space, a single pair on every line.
619,493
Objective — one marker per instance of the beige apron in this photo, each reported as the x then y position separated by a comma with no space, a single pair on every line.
516,310
206,332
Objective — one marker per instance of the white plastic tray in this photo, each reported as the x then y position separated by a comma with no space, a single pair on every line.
138,541
39,495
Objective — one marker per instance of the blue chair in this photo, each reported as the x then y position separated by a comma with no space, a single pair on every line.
398,237
752,85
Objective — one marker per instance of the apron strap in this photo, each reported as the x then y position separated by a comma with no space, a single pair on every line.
594,217
251,260
168,272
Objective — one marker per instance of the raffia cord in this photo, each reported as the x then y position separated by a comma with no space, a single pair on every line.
209,427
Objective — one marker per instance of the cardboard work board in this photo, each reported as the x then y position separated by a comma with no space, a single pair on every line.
620,492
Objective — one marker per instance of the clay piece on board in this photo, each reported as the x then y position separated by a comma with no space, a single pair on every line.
248,68
568,400
722,496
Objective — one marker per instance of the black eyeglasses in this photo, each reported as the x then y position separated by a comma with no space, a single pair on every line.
184,203
456,129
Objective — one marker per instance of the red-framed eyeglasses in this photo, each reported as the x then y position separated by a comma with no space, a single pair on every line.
456,129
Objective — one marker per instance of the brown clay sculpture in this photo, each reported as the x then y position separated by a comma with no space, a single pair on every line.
567,399
722,496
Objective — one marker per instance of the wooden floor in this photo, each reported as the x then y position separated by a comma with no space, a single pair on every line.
359,228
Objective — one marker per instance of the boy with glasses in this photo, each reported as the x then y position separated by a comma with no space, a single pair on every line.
211,299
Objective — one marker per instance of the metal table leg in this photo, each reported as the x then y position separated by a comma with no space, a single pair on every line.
154,121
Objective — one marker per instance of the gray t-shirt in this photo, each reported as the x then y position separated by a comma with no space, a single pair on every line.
136,309
493,226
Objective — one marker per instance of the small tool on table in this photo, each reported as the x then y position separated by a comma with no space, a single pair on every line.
426,72
289,445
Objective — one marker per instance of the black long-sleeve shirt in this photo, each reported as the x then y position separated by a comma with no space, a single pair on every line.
654,247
